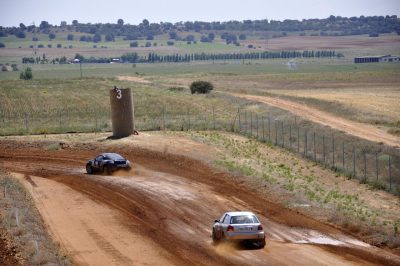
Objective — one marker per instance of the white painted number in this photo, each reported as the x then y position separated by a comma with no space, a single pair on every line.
119,93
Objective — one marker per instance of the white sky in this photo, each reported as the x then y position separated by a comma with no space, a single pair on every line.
13,12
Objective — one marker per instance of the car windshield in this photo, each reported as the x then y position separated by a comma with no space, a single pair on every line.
113,156
244,219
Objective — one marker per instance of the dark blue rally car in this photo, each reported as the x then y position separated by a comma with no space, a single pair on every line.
107,163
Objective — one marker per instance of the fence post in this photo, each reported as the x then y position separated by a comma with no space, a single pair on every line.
263,127
26,121
354,161
390,175
245,122
305,143
163,117
59,114
333,151
251,124
323,147
269,128
315,149
298,139
365,167
283,136
344,170
240,128
257,124
377,166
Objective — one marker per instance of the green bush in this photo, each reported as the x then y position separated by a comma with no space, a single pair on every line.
201,87
27,74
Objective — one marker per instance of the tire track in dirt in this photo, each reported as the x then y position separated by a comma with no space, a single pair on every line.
357,129
179,225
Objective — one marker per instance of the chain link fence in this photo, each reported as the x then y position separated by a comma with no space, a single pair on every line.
380,170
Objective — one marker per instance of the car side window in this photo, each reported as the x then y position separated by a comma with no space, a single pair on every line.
227,219
99,158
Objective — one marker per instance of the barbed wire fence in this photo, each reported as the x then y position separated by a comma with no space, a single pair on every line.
379,169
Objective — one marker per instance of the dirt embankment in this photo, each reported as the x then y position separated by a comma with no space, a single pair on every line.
168,202
360,130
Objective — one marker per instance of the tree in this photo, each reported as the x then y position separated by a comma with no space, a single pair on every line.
211,36
27,74
52,36
20,34
150,36
70,37
44,25
134,44
173,35
22,26
110,37
201,87
170,43
63,24
2,45
75,22
97,38
120,22
148,44
242,37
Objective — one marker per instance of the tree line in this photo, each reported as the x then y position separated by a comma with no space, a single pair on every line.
333,25
176,58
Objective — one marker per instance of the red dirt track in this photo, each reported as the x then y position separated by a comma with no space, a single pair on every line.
171,201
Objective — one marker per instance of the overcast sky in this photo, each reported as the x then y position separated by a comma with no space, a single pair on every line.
13,12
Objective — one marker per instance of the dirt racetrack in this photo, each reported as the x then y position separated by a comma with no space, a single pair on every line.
161,212
357,129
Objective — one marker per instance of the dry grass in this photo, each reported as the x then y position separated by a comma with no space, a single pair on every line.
22,221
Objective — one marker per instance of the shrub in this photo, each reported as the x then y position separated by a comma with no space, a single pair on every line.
40,46
27,74
2,45
176,88
134,44
49,46
14,67
4,68
201,87
170,43
148,44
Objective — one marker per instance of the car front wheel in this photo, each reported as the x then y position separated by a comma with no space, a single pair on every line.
215,238
89,169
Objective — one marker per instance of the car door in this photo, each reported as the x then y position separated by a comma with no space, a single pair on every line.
97,161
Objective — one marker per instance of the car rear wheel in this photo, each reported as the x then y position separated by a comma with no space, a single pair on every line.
89,169
215,238
261,243
107,169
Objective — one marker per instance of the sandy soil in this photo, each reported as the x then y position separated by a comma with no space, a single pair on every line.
351,127
134,79
162,208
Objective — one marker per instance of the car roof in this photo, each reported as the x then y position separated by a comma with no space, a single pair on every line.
112,155
240,213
